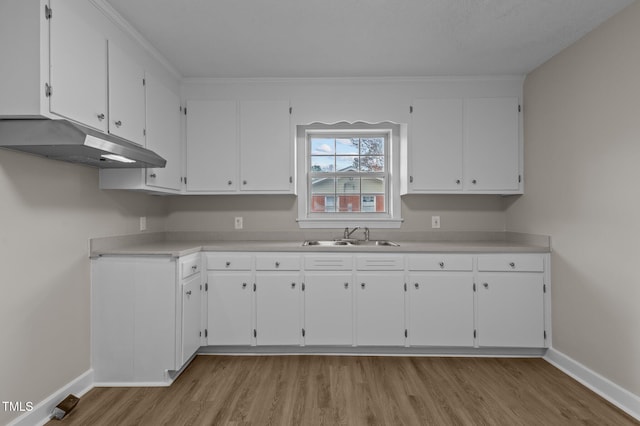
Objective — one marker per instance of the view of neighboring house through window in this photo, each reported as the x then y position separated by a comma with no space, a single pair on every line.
348,173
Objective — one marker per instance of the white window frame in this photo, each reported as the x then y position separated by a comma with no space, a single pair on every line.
389,219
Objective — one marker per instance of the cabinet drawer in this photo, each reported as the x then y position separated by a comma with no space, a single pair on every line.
278,262
328,262
511,262
440,262
190,265
228,262
380,263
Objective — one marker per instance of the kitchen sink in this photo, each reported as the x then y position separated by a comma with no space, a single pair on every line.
350,243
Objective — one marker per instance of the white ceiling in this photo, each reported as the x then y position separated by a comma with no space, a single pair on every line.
362,38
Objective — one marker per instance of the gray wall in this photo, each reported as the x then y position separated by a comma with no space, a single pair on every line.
48,212
582,156
279,212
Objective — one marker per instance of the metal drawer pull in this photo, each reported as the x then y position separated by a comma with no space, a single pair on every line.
486,285
293,285
228,264
277,264
513,265
189,293
441,265
100,117
152,175
229,182
118,123
417,285
244,285
194,267
363,285
346,285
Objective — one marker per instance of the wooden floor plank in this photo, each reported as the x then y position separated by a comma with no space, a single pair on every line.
354,390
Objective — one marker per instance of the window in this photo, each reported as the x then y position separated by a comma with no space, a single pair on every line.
347,175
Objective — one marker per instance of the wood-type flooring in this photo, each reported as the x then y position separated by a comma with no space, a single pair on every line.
353,390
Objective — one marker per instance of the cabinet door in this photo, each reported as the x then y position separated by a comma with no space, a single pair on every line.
380,309
491,148
191,308
126,96
265,146
510,310
436,145
278,316
78,69
441,309
212,146
229,308
328,308
163,133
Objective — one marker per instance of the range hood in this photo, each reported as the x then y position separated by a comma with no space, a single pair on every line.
67,141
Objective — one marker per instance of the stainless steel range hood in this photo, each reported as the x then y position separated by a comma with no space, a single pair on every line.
67,141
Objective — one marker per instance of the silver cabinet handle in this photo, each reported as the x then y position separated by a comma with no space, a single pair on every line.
441,265
513,265
410,179
346,285
244,285
486,285
293,285
417,286
228,264
244,182
458,181
277,264
100,116
194,267
474,181
188,293
118,123
152,175
363,285
229,182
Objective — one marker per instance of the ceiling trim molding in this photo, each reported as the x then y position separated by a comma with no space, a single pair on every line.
349,80
125,26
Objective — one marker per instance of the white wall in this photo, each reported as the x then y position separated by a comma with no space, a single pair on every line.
582,157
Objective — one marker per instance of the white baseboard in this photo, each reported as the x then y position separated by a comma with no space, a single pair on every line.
41,412
615,394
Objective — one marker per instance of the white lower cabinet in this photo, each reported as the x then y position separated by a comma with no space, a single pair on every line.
230,308
440,309
278,308
380,308
328,308
511,309
142,329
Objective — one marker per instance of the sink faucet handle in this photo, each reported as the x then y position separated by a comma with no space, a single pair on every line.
366,233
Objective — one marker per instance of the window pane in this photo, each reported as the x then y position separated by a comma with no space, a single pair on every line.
372,186
322,195
347,146
348,203
348,185
371,164
322,163
346,163
372,146
323,146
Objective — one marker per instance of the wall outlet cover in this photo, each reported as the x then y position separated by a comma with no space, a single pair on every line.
435,221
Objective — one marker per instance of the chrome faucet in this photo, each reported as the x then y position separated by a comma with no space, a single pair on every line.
366,233
348,233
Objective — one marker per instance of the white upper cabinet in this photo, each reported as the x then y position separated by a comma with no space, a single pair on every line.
464,146
212,149
436,148
163,134
78,56
239,147
126,96
266,147
491,148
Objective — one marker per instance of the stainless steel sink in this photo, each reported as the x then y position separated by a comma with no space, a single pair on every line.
350,243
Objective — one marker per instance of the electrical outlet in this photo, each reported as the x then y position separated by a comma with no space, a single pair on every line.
143,223
435,221
238,222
